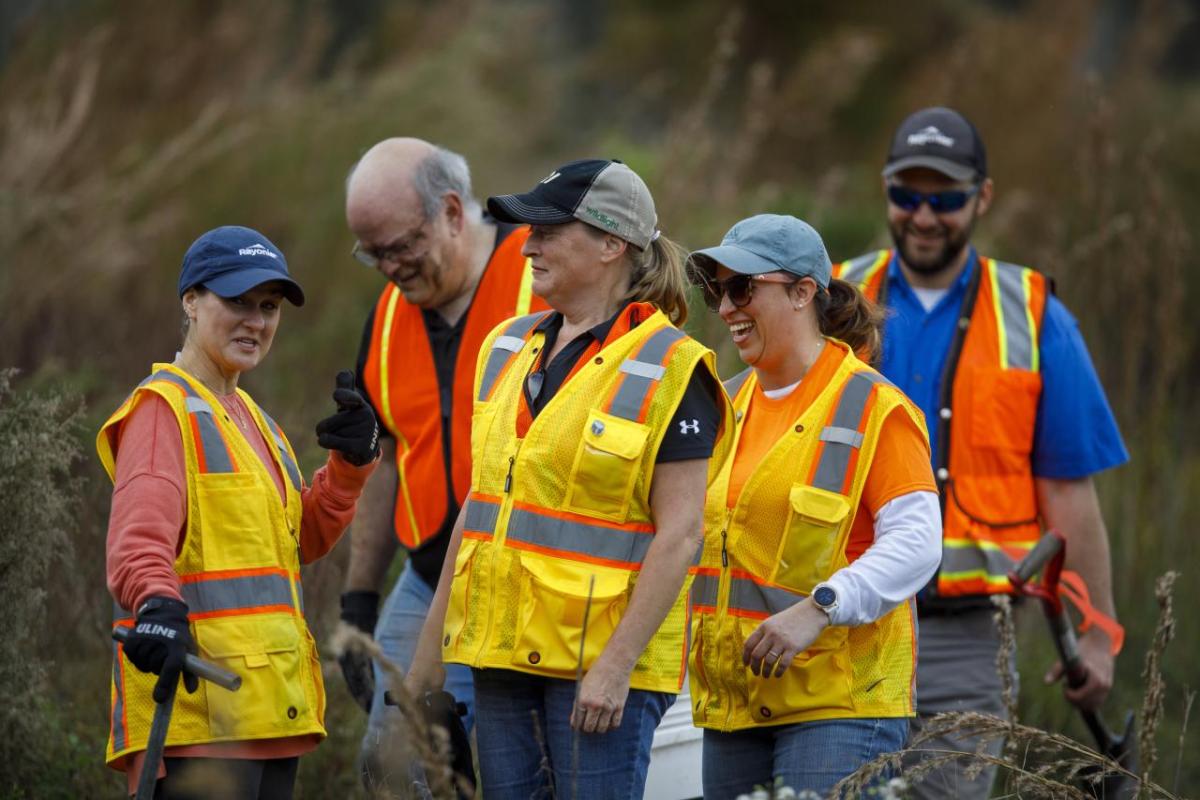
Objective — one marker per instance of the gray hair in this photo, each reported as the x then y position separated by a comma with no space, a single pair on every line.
440,173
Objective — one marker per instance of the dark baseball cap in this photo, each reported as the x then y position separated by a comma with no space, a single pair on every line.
771,243
940,139
604,193
232,260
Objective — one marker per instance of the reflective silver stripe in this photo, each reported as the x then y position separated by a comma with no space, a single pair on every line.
971,558
835,456
504,347
746,595
247,591
705,589
640,368
481,516
1014,322
735,384
842,436
120,736
289,463
216,454
856,268
634,387
598,541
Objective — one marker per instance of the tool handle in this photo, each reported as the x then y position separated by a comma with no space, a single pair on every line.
1068,649
1046,549
155,743
197,666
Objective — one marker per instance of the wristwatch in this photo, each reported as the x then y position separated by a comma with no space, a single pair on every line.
826,598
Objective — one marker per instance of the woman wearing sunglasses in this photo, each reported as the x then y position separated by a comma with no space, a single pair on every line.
818,531
565,585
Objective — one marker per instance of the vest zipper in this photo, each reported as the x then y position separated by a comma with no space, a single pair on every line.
512,460
498,538
723,587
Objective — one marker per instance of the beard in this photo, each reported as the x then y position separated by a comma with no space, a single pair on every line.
937,261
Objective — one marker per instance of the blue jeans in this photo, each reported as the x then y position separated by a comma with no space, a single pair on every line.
527,749
804,755
397,632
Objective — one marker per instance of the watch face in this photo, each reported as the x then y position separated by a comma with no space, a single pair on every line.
825,596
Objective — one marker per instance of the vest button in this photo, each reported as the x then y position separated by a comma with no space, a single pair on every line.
599,360
943,473
597,427
292,712
944,413
766,712
446,641
535,657
738,416
799,429
963,322
534,350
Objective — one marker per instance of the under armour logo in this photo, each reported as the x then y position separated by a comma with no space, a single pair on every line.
550,177
686,427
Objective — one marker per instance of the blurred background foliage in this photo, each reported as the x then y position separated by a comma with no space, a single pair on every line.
128,128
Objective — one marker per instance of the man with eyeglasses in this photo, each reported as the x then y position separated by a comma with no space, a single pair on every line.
453,274
1018,424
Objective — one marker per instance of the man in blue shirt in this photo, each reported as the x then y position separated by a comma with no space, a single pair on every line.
944,301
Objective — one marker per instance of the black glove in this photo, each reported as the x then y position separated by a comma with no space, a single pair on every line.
440,708
352,431
360,609
158,642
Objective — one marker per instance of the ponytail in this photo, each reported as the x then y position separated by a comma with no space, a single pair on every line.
845,313
658,278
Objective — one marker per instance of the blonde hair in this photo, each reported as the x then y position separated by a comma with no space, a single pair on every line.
658,277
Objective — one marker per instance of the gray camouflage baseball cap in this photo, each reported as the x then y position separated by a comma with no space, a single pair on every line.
604,193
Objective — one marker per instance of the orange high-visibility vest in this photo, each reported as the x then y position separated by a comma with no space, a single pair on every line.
558,521
986,417
239,573
402,381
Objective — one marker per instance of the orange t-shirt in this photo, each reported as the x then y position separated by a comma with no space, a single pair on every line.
901,464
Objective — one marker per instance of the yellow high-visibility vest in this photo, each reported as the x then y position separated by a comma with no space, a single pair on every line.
239,572
563,514
788,532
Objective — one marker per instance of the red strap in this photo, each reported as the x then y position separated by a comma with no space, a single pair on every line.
1072,587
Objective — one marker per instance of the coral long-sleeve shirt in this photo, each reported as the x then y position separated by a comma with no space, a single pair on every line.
149,517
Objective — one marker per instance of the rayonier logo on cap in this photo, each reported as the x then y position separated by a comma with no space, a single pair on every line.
602,218
929,135
256,249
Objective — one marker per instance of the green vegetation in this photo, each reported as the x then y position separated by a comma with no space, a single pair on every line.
129,128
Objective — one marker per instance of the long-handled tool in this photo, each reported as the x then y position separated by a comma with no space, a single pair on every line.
162,713
1047,558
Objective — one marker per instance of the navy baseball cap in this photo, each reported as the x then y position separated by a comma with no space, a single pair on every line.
772,243
232,260
940,139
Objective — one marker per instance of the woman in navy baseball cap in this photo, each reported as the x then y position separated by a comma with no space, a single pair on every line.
210,522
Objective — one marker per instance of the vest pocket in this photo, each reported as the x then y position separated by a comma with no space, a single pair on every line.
233,506
819,678
806,551
265,650
1004,408
606,466
460,594
554,598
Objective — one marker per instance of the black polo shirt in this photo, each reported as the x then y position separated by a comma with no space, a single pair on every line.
693,430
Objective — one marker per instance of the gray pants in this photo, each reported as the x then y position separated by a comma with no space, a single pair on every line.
956,671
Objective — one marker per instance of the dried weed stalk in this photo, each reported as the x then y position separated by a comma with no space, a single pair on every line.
1004,659
429,744
1190,697
1152,702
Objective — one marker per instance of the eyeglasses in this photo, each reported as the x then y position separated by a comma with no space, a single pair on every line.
945,202
405,249
740,288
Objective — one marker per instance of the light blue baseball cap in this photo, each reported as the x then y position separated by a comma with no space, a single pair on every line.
770,243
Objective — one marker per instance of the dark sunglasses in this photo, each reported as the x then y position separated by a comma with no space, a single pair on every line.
939,202
740,288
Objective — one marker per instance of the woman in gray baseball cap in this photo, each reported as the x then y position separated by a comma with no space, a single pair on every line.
566,585
823,525
210,522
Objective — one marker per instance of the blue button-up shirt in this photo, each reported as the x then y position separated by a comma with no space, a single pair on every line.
1075,435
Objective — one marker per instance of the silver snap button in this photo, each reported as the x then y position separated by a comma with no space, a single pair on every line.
944,413
943,473
597,427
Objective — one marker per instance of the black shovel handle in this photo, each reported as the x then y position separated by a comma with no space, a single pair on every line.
197,666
